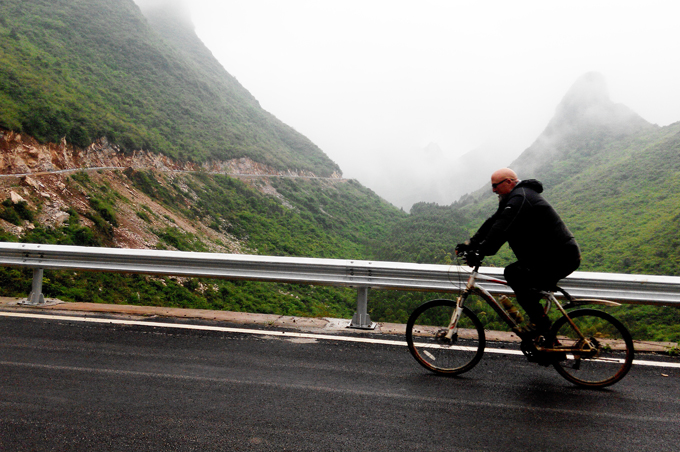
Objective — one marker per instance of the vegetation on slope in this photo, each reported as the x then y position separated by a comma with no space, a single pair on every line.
428,235
86,69
624,212
313,218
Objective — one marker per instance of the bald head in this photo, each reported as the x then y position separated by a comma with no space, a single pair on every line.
503,173
503,181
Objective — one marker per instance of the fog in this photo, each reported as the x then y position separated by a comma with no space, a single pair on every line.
398,92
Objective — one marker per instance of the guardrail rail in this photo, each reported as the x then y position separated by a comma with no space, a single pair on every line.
359,274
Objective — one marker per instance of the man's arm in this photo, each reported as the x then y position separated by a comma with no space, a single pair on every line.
494,232
482,232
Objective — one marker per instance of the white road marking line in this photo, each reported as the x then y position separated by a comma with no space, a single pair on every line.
285,334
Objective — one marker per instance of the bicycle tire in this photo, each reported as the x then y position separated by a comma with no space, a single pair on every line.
606,365
436,353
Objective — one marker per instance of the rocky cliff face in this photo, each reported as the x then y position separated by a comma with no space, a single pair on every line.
40,175
62,184
58,199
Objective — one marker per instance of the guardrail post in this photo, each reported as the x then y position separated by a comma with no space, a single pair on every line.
361,319
36,295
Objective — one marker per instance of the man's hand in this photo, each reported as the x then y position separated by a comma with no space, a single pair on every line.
463,247
469,253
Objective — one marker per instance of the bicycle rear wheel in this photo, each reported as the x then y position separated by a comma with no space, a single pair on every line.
425,335
603,362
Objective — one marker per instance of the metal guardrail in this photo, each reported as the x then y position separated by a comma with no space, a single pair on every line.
362,275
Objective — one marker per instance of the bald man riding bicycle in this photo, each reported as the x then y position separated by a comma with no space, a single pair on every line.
546,250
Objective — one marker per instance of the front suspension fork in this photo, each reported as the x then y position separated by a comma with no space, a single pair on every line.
455,316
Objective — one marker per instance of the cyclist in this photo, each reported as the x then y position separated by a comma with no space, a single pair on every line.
545,249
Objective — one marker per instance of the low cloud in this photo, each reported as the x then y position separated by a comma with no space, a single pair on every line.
174,6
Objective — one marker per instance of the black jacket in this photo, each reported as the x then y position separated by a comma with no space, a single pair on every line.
534,231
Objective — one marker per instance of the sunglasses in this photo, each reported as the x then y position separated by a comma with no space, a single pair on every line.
493,186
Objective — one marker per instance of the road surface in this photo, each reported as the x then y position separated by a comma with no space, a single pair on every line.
68,385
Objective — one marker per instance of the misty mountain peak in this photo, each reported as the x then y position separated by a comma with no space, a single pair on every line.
589,89
587,108
433,150
585,118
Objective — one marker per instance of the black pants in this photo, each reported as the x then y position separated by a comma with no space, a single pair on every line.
528,280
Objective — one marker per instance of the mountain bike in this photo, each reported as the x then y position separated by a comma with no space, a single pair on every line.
588,347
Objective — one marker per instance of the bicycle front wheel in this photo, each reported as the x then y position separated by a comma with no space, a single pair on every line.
426,337
605,355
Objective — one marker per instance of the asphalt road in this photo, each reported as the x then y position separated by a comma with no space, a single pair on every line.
69,385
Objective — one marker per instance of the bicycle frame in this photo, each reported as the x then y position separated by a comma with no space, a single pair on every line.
472,287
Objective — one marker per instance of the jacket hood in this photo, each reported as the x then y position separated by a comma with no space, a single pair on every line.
532,184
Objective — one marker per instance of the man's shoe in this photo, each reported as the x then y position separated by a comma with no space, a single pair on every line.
528,331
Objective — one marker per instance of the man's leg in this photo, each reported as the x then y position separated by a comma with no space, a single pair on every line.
527,282
523,282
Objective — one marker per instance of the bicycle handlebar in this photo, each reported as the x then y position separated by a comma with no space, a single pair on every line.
471,258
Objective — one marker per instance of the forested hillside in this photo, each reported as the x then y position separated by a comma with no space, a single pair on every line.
613,177
87,69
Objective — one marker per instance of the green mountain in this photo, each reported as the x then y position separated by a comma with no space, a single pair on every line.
75,71
624,210
86,69
612,176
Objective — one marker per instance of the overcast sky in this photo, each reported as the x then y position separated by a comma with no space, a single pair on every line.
365,79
